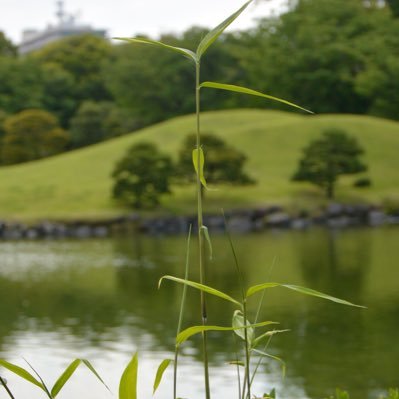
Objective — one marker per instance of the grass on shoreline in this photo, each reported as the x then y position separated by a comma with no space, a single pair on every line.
78,184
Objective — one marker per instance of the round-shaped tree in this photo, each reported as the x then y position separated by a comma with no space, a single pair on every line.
142,175
325,159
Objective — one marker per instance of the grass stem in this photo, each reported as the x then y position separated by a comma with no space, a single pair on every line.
200,224
2,382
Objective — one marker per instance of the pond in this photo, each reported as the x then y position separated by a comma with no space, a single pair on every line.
98,299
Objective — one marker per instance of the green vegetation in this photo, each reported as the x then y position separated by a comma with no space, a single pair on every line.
326,158
224,163
31,134
79,183
332,56
249,342
142,176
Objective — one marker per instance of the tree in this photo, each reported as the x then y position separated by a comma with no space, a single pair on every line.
97,121
315,52
394,5
142,176
7,48
32,134
82,57
223,163
20,84
147,71
327,158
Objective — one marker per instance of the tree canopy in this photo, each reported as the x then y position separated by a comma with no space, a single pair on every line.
31,134
141,176
328,157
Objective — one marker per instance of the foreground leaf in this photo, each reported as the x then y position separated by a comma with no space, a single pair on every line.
128,382
218,30
303,290
21,372
201,287
281,361
204,230
199,173
238,324
183,51
161,369
244,90
190,331
64,377
67,374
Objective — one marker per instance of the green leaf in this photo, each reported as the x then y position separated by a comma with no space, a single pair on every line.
303,290
128,382
186,52
204,230
201,165
281,361
267,334
190,331
216,32
237,363
93,370
161,369
21,372
68,372
238,324
201,287
244,90
64,377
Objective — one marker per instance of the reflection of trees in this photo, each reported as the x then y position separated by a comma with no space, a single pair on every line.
158,310
330,348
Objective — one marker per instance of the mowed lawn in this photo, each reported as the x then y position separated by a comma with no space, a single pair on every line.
78,184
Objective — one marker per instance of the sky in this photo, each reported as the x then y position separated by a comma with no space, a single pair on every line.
131,17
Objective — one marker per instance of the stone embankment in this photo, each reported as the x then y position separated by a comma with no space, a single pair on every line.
242,221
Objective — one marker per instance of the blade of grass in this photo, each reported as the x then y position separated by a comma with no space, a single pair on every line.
68,372
201,287
281,361
245,90
303,290
128,382
161,369
218,30
200,172
45,389
21,372
190,331
183,51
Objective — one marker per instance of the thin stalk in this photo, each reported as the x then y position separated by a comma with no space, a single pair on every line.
247,352
180,322
260,360
200,238
238,367
46,390
6,388
247,380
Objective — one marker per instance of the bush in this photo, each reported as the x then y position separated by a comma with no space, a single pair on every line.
142,175
32,134
334,154
362,182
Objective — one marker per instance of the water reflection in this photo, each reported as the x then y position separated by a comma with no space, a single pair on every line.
100,298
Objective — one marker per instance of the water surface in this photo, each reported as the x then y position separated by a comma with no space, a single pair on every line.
98,299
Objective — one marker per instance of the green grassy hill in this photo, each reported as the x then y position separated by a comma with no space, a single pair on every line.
78,184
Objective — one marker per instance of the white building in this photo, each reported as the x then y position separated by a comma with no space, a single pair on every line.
66,26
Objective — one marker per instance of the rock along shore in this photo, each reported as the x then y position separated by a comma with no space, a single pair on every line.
239,221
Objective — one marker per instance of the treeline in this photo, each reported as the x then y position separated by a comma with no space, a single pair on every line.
335,56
